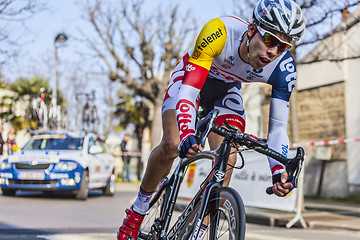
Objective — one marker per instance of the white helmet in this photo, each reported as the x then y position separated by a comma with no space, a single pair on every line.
281,15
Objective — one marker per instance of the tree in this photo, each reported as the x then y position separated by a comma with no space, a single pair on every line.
24,91
137,45
323,21
14,11
134,111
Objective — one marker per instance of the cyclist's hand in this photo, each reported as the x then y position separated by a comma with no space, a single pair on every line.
189,147
281,188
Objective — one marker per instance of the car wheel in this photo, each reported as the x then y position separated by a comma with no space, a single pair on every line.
8,192
109,189
82,193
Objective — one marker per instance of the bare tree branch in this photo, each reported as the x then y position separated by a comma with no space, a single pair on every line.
12,11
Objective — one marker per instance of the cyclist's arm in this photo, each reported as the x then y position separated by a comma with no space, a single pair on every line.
209,44
283,82
277,135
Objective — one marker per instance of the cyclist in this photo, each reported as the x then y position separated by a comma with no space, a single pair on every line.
228,51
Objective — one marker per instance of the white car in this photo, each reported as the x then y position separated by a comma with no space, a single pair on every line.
53,161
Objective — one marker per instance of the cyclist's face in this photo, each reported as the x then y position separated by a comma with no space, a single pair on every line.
260,54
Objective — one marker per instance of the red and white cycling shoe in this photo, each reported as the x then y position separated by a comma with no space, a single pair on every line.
130,228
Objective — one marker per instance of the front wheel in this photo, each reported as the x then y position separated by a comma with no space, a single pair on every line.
8,192
224,217
82,193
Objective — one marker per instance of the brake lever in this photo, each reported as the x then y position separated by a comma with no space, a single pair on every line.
293,169
203,131
301,154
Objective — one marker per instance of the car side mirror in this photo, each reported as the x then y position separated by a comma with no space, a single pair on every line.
95,149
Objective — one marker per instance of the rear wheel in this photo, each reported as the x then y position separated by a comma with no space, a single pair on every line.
109,189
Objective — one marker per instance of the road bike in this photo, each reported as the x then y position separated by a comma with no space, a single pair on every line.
55,120
220,208
90,118
37,113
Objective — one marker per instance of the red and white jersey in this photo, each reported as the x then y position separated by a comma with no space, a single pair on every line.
216,54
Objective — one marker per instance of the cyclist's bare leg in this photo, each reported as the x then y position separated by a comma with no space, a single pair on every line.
162,157
214,141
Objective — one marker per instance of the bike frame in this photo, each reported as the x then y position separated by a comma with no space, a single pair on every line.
213,181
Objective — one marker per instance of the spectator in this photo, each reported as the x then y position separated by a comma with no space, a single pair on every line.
125,158
10,141
2,142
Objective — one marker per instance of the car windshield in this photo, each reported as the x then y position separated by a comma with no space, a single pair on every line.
54,142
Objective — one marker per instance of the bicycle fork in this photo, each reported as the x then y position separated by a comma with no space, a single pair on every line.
204,204
175,187
216,181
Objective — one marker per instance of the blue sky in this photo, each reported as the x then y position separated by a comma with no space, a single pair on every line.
36,38
65,16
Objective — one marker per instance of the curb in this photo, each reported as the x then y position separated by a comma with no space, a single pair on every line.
314,220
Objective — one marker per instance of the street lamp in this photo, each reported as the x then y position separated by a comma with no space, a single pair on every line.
60,38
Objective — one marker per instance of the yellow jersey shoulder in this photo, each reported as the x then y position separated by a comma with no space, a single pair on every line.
210,43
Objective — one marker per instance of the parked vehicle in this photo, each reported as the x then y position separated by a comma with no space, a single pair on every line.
54,161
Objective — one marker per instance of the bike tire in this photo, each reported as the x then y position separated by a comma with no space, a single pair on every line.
227,217
156,211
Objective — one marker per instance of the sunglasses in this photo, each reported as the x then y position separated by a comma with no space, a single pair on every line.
271,40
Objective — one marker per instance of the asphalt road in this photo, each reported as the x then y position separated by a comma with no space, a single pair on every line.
33,215
41,214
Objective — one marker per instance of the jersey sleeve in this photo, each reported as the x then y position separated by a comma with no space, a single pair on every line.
277,136
283,82
209,44
283,78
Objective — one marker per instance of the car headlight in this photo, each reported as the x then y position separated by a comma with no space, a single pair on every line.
5,165
65,166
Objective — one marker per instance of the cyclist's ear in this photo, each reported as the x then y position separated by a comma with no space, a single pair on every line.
251,30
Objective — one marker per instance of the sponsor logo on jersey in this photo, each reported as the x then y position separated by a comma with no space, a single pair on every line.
288,65
196,54
226,66
254,74
184,117
189,68
209,39
230,60
284,150
258,70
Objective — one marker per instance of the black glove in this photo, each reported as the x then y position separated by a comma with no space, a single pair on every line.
277,178
186,145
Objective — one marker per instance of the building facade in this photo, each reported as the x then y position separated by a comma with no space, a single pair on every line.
327,102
